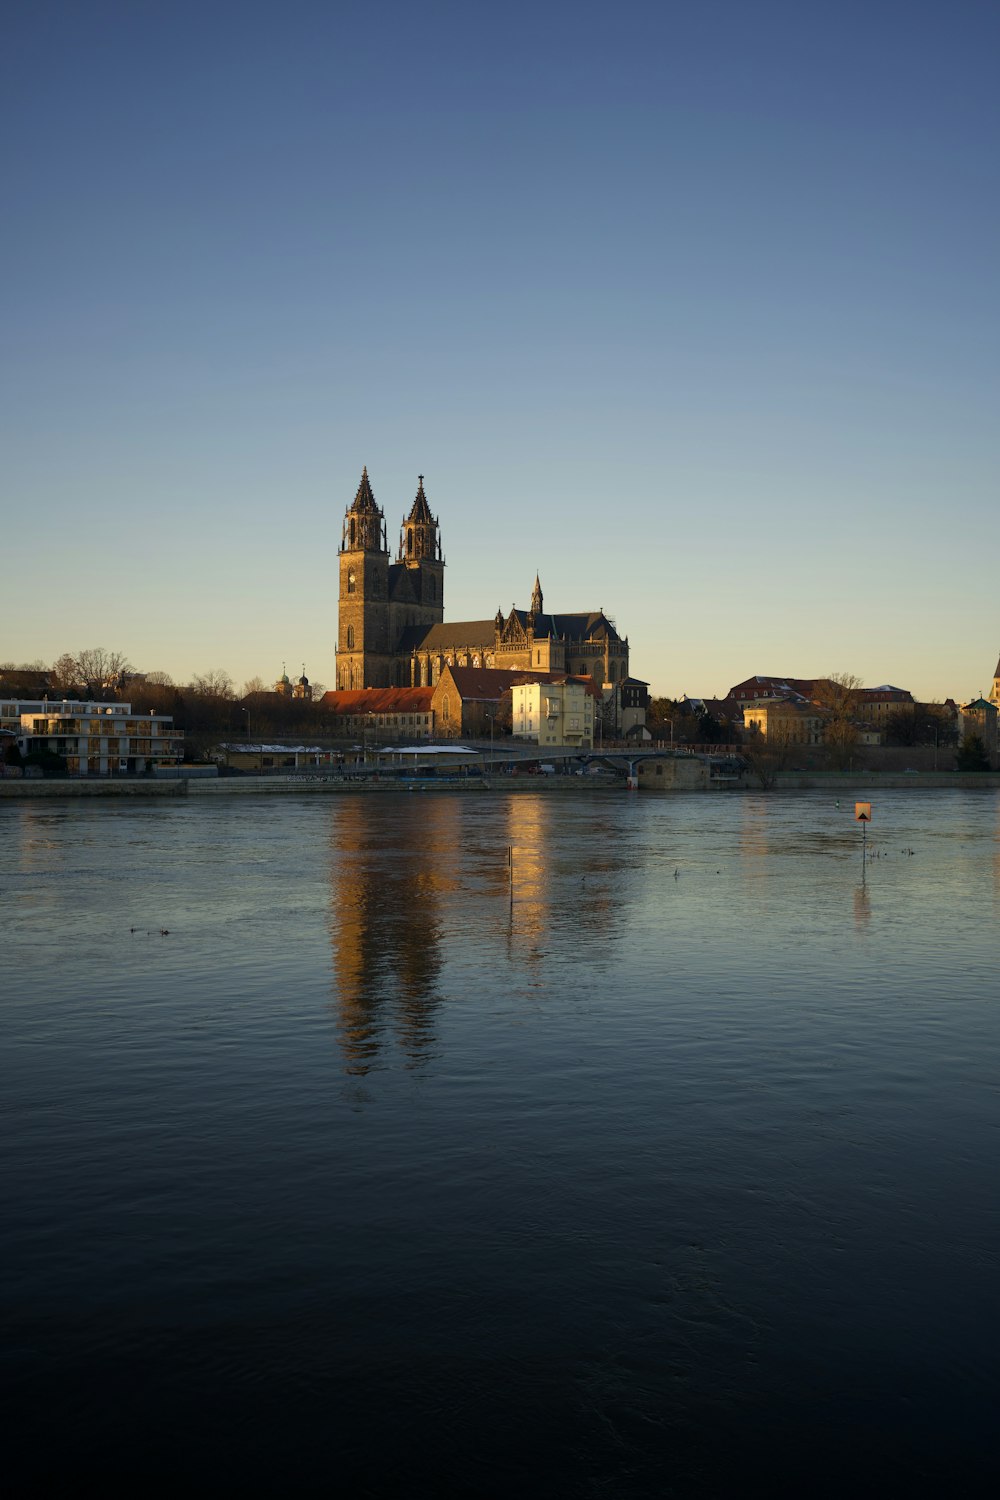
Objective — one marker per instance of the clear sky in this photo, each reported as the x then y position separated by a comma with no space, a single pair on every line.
691,307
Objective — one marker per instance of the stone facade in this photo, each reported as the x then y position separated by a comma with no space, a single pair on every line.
391,630
786,721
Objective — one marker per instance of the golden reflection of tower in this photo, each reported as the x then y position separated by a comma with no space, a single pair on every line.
528,832
562,885
389,862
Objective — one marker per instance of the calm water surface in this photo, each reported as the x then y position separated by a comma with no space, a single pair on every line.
675,1175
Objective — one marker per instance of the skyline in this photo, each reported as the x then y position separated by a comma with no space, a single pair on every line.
694,314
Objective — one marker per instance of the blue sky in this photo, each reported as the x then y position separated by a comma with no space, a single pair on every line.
692,308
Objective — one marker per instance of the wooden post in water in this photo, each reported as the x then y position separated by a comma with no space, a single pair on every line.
510,870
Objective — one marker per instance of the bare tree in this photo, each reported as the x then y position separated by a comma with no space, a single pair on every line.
767,755
839,695
65,673
215,683
101,671
152,691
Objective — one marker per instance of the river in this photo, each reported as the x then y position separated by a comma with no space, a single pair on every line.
340,1157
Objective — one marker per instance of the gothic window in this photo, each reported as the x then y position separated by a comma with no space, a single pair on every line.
350,637
351,578
409,542
447,707
352,531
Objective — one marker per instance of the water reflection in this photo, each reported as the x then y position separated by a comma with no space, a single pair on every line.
387,878
528,832
554,890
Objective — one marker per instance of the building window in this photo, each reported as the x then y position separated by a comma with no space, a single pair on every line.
350,637
351,576
446,710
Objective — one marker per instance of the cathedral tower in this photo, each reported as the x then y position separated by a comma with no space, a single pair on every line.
420,554
363,644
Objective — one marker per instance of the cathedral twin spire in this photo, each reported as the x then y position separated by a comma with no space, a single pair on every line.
364,525
364,500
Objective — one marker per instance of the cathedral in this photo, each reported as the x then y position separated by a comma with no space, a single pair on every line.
391,627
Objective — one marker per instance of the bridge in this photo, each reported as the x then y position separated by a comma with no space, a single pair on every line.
508,756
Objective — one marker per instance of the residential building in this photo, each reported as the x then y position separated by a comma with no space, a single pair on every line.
786,721
558,712
623,710
98,739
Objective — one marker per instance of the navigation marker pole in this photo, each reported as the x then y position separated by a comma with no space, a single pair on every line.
863,814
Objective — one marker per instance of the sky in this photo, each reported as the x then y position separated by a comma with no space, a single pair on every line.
693,309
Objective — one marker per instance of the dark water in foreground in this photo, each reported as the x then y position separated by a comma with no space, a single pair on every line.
676,1177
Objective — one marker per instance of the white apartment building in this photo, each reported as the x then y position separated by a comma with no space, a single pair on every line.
95,739
553,713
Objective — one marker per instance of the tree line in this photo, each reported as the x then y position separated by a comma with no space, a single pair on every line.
209,703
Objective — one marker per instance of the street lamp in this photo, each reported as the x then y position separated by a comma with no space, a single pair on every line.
490,717
247,712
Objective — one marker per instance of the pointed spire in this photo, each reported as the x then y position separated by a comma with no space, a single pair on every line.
420,512
364,527
364,500
536,597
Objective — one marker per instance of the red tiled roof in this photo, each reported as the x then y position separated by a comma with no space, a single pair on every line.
398,700
808,687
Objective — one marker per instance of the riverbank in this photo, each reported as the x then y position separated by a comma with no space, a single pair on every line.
276,786
866,784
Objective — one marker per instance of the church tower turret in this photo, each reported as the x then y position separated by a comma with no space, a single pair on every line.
363,616
420,553
536,597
